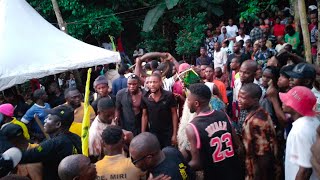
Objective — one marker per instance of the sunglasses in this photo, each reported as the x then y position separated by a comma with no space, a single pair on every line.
140,159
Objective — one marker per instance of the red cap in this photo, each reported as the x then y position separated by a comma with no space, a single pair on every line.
301,99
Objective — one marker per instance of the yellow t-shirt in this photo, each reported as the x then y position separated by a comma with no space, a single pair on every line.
76,126
117,167
23,126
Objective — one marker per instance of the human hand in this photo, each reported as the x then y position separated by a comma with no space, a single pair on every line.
174,140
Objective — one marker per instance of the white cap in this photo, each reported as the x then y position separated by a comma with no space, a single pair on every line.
312,7
13,154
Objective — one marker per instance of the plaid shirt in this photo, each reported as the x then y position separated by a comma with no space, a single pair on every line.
259,139
256,34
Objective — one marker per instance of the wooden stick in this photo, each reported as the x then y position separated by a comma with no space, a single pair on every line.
41,127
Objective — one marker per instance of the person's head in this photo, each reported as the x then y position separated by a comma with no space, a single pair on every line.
6,113
288,47
14,134
40,95
222,23
303,74
145,151
203,51
199,97
155,83
230,22
266,21
76,167
154,65
209,73
290,30
54,88
241,31
73,97
208,33
113,139
59,119
217,46
313,18
210,26
258,72
262,42
218,72
290,20
123,69
236,47
284,79
217,30
225,44
249,96
256,23
99,68
248,43
223,30
247,71
112,66
100,84
203,71
299,100
71,76
106,110
133,83
241,42
270,73
278,20
235,63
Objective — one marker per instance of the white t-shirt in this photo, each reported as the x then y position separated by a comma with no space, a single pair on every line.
246,37
232,30
220,59
279,47
168,83
300,139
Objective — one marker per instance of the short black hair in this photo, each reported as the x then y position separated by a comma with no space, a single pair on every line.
112,134
253,90
112,66
105,103
66,91
156,75
37,94
201,91
122,70
154,64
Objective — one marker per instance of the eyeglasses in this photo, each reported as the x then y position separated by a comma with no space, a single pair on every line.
140,159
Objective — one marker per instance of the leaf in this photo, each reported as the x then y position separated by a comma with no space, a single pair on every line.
152,17
217,10
171,3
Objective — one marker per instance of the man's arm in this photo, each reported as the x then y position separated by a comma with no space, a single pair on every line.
303,173
195,162
144,120
174,125
38,154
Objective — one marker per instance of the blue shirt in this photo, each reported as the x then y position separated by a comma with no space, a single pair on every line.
119,84
29,116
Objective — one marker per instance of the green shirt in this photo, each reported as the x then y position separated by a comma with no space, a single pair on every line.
294,40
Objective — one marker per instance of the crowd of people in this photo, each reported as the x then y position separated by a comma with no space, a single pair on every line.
248,108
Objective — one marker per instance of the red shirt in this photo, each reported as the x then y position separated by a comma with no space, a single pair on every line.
278,30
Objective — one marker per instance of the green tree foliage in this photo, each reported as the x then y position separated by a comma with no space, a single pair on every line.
84,18
251,9
191,34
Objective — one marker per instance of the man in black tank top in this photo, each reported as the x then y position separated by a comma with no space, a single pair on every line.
211,138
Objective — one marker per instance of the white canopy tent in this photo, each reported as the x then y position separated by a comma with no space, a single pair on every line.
30,47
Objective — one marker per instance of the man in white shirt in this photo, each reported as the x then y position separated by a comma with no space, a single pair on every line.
242,36
299,103
219,57
232,29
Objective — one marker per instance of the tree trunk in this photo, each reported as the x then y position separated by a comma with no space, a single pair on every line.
296,14
305,30
318,43
61,23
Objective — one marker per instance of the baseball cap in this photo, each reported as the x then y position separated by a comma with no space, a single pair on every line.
302,70
285,69
7,109
100,80
11,130
64,112
9,160
183,67
301,99
312,7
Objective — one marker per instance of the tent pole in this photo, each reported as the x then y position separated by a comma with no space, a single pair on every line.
61,23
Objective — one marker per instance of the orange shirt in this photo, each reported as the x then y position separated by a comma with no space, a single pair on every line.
222,89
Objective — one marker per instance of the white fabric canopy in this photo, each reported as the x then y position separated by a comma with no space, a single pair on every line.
30,47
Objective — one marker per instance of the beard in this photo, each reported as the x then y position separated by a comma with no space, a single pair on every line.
192,109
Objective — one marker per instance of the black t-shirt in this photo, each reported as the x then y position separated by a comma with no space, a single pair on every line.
94,104
55,101
216,146
4,143
174,166
159,113
51,152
